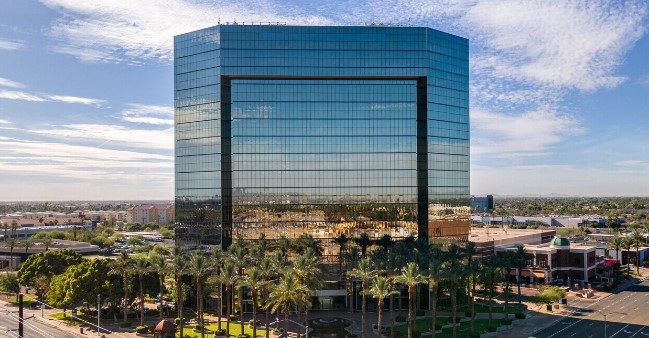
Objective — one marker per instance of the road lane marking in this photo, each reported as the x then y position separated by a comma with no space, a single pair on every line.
556,333
619,330
639,331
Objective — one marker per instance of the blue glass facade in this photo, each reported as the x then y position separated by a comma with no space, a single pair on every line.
321,131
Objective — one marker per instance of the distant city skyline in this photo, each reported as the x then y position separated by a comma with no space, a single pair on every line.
559,91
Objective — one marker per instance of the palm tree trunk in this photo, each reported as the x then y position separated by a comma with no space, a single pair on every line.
254,314
125,296
519,288
363,311
229,307
179,302
392,315
506,292
433,313
409,313
141,279
267,318
378,321
490,307
161,291
454,308
240,295
637,259
199,306
473,305
220,312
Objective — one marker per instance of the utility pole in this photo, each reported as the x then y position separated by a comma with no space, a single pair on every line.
21,317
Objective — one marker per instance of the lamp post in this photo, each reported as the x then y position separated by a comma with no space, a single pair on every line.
605,315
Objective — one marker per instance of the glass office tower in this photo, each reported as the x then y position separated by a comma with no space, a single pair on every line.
321,131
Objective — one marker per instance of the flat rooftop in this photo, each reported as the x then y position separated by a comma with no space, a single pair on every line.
504,234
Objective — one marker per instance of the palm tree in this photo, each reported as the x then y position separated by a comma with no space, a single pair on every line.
472,268
364,272
217,262
121,266
12,243
309,274
520,258
364,242
411,277
47,243
27,244
178,268
141,267
341,241
255,282
229,277
239,258
288,293
627,243
489,278
434,276
266,270
199,268
507,261
616,243
6,227
638,240
453,272
14,226
381,289
160,266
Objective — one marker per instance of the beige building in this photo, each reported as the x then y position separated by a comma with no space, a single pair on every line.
151,213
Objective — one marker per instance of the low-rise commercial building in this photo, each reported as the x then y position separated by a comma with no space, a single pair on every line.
558,259
151,213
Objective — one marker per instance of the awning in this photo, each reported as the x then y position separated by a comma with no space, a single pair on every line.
330,293
525,273
539,274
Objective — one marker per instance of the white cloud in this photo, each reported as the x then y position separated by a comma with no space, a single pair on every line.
113,135
148,114
76,99
571,44
532,133
25,96
10,45
643,80
132,31
5,122
12,84
17,95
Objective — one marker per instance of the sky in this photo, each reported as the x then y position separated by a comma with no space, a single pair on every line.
559,90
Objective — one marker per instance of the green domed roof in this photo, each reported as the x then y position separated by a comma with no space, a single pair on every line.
560,241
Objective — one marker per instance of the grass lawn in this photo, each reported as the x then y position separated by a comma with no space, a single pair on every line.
235,330
26,301
512,308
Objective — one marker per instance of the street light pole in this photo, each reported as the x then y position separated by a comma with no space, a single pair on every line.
98,313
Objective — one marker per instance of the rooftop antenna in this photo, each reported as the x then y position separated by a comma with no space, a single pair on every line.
219,21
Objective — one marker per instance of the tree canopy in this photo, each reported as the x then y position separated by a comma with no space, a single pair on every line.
48,263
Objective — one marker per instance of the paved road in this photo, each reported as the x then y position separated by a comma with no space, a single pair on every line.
627,315
33,327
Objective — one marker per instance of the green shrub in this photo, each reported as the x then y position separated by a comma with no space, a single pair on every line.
142,329
198,328
351,335
243,335
400,319
233,317
420,313
416,334
177,321
438,326
125,324
519,315
254,323
506,321
278,330
220,332
468,313
491,328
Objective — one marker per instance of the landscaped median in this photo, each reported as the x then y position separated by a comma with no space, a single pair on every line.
190,331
